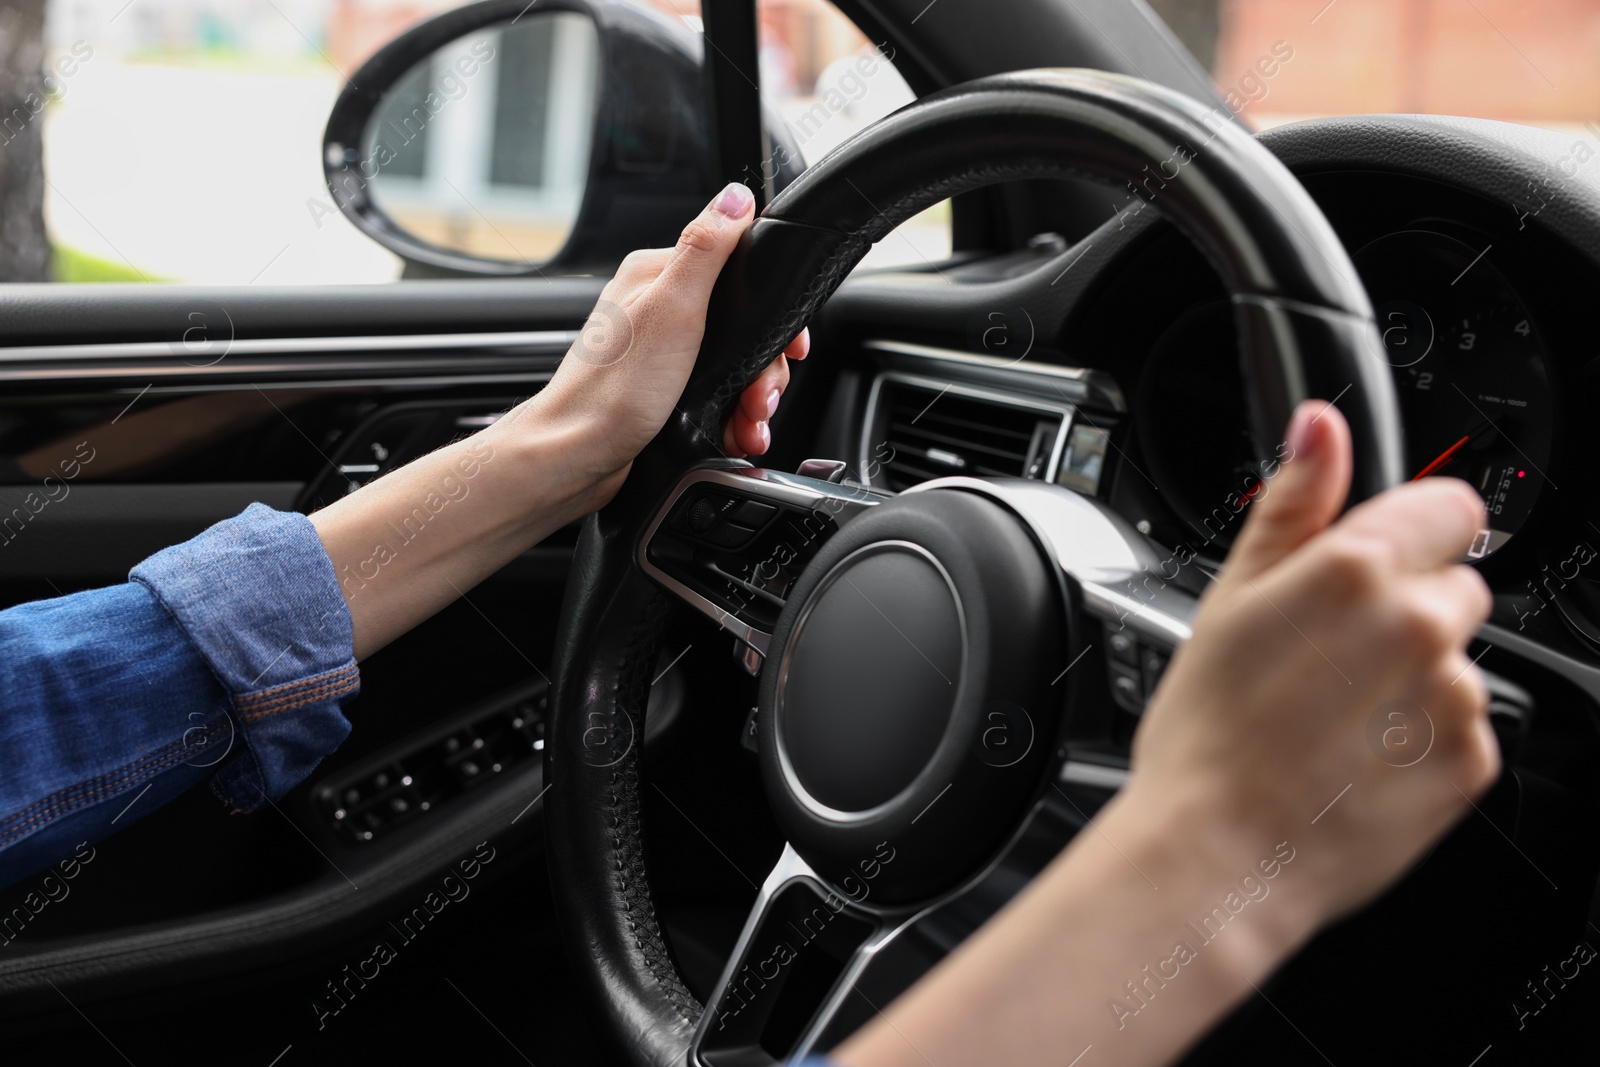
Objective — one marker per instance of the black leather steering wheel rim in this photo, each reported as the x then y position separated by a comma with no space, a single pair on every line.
1305,326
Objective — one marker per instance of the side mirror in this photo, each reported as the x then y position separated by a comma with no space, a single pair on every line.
499,139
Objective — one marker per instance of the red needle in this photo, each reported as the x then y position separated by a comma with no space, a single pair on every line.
1442,459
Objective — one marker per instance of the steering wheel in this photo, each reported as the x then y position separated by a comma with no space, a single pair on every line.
907,726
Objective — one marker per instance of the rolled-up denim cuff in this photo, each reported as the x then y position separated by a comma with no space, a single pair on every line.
258,597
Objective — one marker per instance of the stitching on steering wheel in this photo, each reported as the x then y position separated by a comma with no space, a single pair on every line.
623,806
827,279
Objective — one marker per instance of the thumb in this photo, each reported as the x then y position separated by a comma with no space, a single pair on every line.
706,243
1304,496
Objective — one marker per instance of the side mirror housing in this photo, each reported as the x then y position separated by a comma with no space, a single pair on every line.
501,139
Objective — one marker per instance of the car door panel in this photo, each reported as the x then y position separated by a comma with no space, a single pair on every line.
272,392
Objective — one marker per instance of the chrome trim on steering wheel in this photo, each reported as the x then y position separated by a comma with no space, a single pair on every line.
841,501
797,787
1112,563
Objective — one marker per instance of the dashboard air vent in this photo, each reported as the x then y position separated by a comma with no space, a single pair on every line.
933,431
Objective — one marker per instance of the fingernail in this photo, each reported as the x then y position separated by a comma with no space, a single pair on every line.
805,343
1300,435
734,200
764,432
772,402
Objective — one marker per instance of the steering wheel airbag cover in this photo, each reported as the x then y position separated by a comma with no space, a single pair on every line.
946,646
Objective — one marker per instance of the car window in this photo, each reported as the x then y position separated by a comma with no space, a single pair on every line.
180,140
1275,61
829,81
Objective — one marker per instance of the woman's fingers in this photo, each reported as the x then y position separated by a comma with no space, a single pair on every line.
1424,525
760,399
1427,524
1303,497
705,244
745,436
800,347
749,432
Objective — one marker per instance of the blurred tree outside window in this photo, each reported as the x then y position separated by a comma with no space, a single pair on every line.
24,246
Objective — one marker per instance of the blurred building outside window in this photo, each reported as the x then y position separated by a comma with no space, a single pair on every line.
184,144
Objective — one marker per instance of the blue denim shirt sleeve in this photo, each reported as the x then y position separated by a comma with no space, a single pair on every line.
226,657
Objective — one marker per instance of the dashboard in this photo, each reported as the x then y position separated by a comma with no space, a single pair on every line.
1471,369
1128,387
1478,354
1484,328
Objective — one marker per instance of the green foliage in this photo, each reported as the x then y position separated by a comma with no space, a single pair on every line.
71,265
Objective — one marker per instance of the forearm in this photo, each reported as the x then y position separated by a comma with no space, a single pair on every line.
1106,948
408,544
418,538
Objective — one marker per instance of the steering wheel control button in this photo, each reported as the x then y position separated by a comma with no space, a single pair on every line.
733,541
905,703
1123,647
705,512
1127,687
752,513
730,535
721,519
1152,663
1134,666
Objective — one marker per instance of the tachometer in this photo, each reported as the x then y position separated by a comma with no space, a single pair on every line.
1470,371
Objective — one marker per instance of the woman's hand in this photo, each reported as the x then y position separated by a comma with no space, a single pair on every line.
1268,792
1327,671
623,376
409,543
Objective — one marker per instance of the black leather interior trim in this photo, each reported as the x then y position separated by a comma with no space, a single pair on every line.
957,43
1535,172
239,940
436,368
48,314
518,340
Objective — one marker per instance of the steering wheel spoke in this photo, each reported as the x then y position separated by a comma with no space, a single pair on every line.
802,948
730,541
1116,579
816,960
